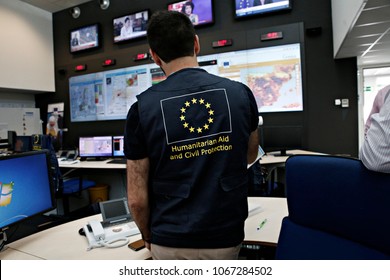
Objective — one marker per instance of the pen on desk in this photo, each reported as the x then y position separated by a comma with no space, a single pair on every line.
261,224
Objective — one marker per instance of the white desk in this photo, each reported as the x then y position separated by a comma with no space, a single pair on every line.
64,242
98,164
271,159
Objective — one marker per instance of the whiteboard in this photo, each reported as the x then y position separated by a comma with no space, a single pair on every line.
24,121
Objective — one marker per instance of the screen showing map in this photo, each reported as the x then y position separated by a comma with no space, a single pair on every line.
272,73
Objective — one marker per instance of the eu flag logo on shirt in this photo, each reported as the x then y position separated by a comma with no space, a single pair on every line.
196,115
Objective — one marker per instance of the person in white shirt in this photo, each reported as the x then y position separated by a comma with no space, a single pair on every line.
375,150
127,29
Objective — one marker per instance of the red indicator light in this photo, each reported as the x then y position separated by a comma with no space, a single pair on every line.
141,56
81,67
109,62
222,43
271,36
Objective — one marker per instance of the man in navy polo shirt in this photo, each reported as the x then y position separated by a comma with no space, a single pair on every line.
188,141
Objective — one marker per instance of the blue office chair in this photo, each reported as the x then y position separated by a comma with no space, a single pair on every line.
338,209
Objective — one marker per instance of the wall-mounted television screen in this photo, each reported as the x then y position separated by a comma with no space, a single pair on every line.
200,12
246,8
84,38
130,26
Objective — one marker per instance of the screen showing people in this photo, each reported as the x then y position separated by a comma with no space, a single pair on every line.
130,26
274,75
84,38
246,8
200,12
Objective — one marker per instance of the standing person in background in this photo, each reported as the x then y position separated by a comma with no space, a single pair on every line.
375,150
188,141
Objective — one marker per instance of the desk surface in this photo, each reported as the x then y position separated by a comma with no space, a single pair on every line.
270,158
64,242
98,164
103,164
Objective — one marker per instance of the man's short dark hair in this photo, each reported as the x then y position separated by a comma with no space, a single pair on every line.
171,35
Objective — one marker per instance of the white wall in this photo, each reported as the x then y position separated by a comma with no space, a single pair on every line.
344,16
26,47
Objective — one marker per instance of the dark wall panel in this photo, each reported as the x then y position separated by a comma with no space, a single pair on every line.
327,128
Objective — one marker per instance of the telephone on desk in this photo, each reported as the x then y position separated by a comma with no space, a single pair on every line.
112,237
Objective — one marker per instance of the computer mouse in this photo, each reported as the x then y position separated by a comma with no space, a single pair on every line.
81,231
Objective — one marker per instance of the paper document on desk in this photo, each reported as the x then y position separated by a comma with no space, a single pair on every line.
67,162
254,207
260,153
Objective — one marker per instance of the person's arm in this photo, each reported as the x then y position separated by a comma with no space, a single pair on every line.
138,196
253,146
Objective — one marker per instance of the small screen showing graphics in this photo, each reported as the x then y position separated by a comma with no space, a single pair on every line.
200,12
117,146
26,187
95,146
130,26
245,8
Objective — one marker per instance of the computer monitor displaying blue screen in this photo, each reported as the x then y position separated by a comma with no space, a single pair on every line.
95,147
26,187
117,146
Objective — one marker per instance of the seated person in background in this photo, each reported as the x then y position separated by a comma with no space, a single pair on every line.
375,151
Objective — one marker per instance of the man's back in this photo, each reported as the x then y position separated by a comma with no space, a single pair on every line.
197,128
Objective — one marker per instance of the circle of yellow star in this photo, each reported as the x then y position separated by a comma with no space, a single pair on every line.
187,123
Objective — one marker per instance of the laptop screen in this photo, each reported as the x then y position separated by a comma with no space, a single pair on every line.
95,146
117,146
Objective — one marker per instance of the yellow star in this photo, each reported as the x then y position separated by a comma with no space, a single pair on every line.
208,105
199,130
211,120
194,100
182,118
185,125
187,104
206,126
211,112
192,129
183,110
201,101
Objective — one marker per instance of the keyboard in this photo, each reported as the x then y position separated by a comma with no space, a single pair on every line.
117,161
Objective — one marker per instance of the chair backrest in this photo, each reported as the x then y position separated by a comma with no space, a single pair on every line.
338,209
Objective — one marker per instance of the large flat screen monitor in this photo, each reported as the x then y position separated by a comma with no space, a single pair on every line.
95,147
130,26
84,38
246,8
274,74
200,12
26,187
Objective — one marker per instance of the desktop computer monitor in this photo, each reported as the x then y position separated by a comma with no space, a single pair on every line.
281,138
117,146
95,147
26,187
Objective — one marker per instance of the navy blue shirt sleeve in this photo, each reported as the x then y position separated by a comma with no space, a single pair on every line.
254,110
134,140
